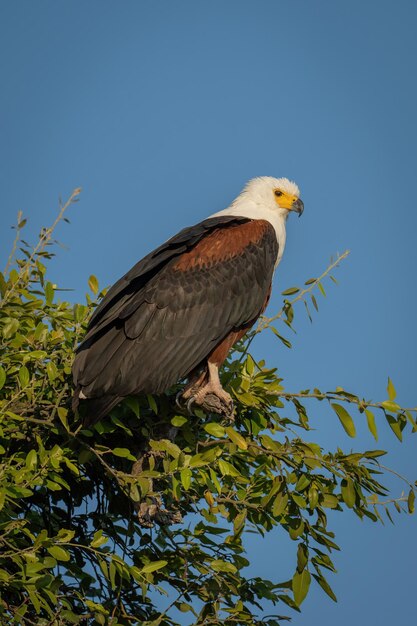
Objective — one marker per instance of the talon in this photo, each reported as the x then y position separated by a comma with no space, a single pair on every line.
178,399
190,404
206,392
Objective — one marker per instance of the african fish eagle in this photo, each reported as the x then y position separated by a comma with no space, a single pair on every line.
178,311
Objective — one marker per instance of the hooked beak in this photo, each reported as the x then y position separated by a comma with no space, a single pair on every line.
298,207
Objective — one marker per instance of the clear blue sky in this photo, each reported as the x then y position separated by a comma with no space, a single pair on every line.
161,111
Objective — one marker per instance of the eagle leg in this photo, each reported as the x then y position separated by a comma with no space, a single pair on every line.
211,396
195,381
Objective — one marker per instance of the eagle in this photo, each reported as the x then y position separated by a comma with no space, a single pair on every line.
178,312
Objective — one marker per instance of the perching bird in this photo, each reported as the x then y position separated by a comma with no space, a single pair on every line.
178,312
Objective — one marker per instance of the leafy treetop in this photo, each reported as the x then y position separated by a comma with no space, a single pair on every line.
90,520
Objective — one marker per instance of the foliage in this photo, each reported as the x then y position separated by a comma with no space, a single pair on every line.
72,548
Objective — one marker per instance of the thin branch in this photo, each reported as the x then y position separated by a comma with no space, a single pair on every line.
394,473
266,321
15,242
334,395
43,241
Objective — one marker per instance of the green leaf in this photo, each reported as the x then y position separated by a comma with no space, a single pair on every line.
215,480
302,557
299,500
49,293
296,528
395,426
373,454
165,445
152,403
290,292
124,453
308,311
321,289
51,370
325,586
80,312
285,341
223,566
98,539
62,414
302,483
93,284
185,476
2,376
250,365
179,420
391,406
10,328
71,617
330,501
103,566
24,376
60,554
31,459
239,521
348,492
112,574
198,460
371,423
391,390
227,469
412,421
313,497
411,501
3,285
280,504
152,567
236,438
300,585
65,535
345,419
37,355
133,404
34,597
214,429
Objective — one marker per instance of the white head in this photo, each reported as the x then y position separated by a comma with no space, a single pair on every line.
268,198
279,195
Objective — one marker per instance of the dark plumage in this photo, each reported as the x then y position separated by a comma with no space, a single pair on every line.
164,318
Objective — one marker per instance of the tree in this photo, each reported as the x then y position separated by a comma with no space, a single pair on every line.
94,521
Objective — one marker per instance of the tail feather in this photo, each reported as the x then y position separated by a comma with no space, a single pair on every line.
92,410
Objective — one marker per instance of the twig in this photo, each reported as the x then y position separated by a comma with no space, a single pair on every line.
334,395
15,242
266,321
43,240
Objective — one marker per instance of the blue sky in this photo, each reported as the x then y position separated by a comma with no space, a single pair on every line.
161,111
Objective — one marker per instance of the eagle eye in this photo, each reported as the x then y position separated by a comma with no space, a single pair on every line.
278,193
